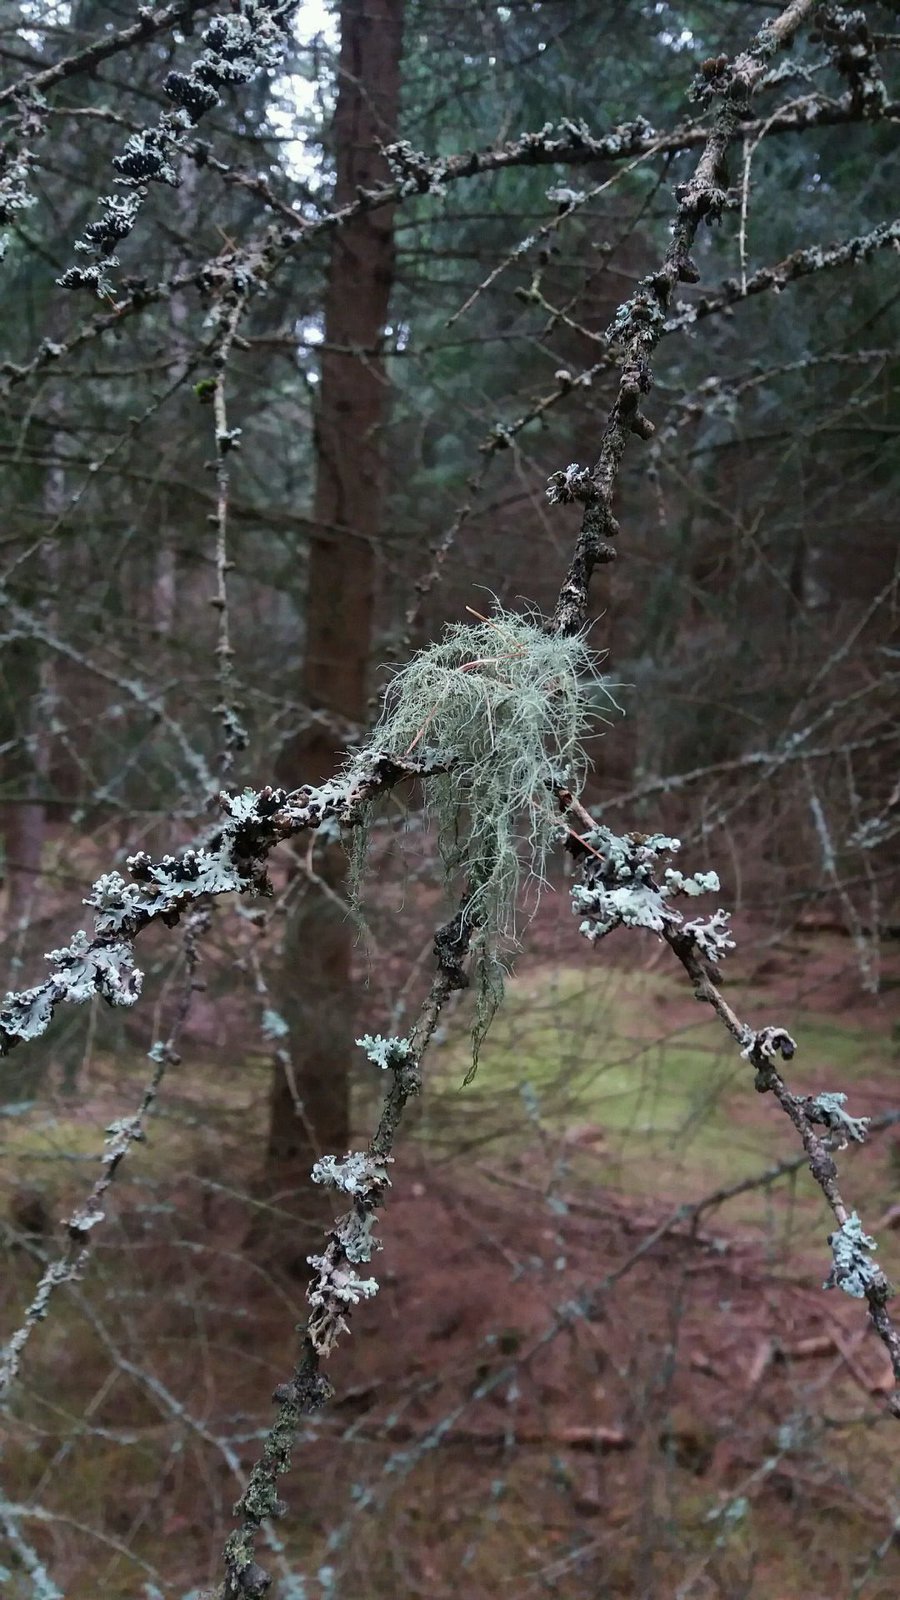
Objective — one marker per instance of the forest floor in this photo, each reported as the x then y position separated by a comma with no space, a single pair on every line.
565,1385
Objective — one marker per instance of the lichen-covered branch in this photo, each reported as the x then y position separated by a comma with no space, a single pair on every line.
18,154
16,160
120,1136
231,862
853,1268
148,24
336,1286
640,322
799,264
251,40
571,144
623,883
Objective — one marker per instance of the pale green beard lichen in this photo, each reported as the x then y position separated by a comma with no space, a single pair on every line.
506,705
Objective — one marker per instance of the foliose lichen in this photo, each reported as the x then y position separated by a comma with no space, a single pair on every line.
623,885
829,1108
389,1054
853,1269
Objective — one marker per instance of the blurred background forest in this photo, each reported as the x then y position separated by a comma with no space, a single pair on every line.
591,1370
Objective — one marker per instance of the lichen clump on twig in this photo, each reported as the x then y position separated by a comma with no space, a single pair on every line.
504,705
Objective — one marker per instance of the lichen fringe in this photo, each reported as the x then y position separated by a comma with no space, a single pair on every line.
506,704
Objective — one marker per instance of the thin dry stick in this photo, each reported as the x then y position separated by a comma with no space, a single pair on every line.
235,736
866,950
567,210
750,147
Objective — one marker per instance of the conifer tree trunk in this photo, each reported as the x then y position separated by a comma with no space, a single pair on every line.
348,508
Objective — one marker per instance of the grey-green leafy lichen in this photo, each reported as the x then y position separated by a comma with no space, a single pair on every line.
829,1109
80,971
764,1046
360,1173
363,1176
573,483
853,1269
336,1288
385,1053
105,964
623,885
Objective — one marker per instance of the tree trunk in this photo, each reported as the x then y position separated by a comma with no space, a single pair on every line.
349,496
24,770
27,766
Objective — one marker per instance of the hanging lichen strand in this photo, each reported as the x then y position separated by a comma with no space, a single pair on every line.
503,706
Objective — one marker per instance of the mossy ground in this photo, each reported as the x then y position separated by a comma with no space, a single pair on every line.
660,1103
